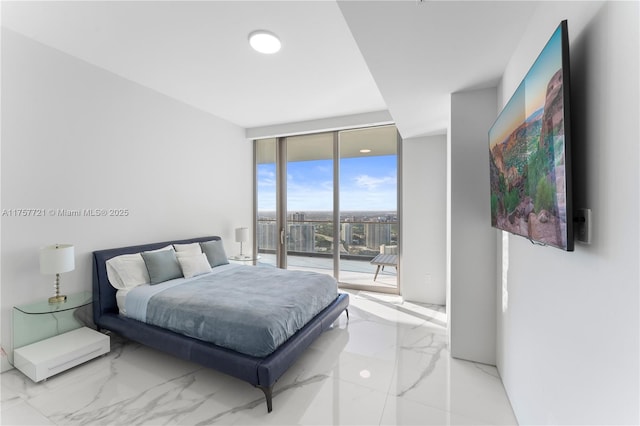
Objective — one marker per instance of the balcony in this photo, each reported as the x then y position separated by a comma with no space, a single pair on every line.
352,272
310,246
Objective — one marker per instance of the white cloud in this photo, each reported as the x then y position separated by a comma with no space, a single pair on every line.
266,178
372,183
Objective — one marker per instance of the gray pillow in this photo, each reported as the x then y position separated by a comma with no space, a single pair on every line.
215,252
162,265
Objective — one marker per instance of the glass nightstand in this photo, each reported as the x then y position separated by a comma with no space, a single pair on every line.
37,321
244,260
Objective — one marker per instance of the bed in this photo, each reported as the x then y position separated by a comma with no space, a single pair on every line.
258,369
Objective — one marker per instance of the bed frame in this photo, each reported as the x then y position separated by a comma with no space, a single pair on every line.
260,372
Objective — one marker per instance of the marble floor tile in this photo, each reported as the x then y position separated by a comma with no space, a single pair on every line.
402,411
18,412
388,364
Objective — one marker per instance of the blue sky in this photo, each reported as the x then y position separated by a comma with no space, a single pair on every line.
530,94
367,183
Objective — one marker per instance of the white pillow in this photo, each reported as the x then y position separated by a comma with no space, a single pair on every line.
128,270
194,264
188,248
180,254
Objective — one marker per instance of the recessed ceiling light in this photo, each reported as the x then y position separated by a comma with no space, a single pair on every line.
365,151
264,41
365,374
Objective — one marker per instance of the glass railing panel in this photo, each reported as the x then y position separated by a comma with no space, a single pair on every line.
311,249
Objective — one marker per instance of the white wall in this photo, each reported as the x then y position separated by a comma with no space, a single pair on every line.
423,263
472,304
569,332
77,137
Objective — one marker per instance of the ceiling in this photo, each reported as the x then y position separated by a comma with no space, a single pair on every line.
338,58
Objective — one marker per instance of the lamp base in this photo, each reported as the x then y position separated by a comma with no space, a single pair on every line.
58,299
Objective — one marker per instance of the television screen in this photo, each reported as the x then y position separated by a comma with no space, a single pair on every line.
529,143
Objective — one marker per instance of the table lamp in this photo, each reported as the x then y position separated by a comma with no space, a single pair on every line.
56,259
242,235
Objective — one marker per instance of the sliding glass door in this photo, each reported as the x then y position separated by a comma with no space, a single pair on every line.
369,207
266,228
310,202
328,202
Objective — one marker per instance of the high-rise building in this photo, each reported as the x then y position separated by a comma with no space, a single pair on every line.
301,237
377,234
267,235
296,217
346,233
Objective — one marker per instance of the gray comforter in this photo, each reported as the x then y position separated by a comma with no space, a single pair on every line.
249,309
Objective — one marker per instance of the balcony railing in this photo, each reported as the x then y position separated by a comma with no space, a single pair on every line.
359,240
310,247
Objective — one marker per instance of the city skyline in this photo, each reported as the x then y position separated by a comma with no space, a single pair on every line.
359,238
312,215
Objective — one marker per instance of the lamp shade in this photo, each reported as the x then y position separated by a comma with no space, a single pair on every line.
57,258
242,235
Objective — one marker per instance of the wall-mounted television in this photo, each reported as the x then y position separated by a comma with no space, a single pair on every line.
530,156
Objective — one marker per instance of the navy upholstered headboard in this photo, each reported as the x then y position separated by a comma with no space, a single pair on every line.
104,295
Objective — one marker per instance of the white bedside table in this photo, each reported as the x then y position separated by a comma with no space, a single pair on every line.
51,356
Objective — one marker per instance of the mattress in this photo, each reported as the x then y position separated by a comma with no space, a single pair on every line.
248,309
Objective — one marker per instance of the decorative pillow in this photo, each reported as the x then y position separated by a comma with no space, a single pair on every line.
193,264
215,252
162,265
189,248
